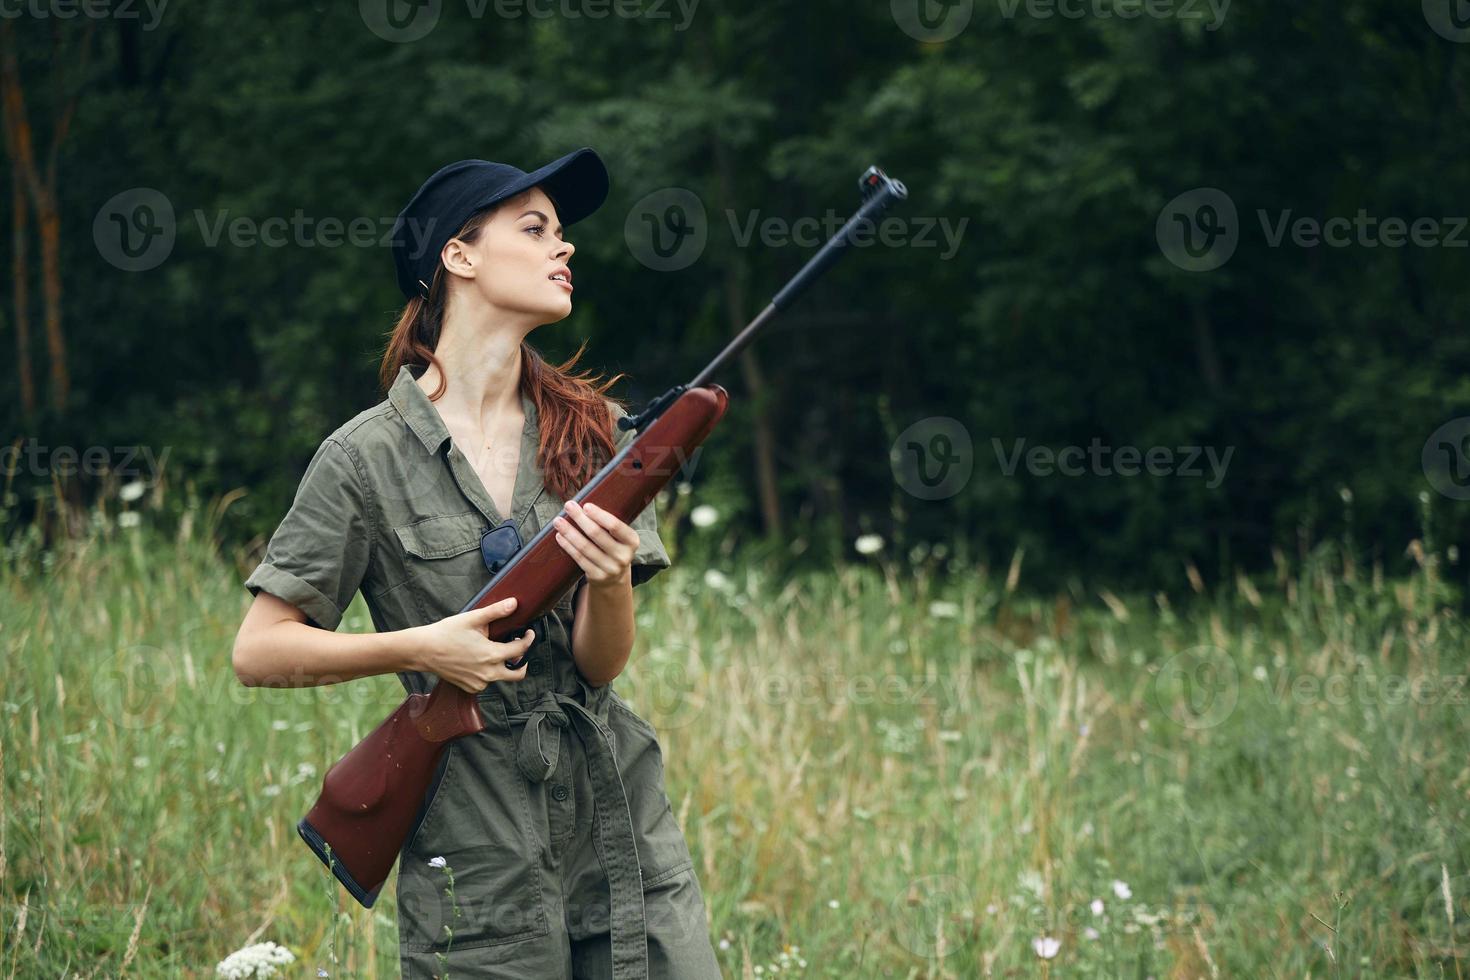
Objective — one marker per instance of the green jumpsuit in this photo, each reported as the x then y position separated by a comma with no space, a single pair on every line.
554,821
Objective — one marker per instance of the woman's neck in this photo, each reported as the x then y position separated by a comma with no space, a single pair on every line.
482,373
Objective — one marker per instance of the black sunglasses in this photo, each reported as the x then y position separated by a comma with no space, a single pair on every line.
499,544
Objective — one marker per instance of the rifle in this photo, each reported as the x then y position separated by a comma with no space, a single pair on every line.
371,798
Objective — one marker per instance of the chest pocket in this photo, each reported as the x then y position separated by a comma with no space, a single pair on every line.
442,561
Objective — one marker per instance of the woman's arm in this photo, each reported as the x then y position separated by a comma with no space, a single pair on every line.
602,621
276,648
602,629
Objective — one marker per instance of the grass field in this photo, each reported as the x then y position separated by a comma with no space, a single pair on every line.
881,771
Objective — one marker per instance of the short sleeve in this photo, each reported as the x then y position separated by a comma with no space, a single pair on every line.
318,556
651,555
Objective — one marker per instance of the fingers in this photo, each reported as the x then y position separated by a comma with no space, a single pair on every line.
599,527
492,612
512,650
583,552
614,525
592,545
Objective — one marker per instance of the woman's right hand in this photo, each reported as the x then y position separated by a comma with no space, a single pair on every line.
458,648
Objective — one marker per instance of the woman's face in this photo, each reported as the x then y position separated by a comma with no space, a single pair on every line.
509,267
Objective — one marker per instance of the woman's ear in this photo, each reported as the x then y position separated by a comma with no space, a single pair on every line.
456,258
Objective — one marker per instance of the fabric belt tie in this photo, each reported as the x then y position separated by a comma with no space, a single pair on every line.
537,750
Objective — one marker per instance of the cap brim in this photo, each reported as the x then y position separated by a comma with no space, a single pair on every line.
576,183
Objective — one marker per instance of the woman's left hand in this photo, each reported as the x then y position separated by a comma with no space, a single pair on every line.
599,541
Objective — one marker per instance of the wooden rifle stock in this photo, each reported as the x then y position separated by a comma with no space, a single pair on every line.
372,798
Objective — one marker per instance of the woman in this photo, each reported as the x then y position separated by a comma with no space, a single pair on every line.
554,822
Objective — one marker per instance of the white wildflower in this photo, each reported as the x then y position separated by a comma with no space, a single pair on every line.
1097,906
1046,947
259,960
942,609
1091,933
130,492
703,516
280,724
868,544
715,579
1259,673
1122,890
129,518
832,903
436,862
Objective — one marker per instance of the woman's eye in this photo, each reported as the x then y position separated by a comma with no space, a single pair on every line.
538,229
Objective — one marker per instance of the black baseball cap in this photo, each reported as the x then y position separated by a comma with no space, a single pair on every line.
576,183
